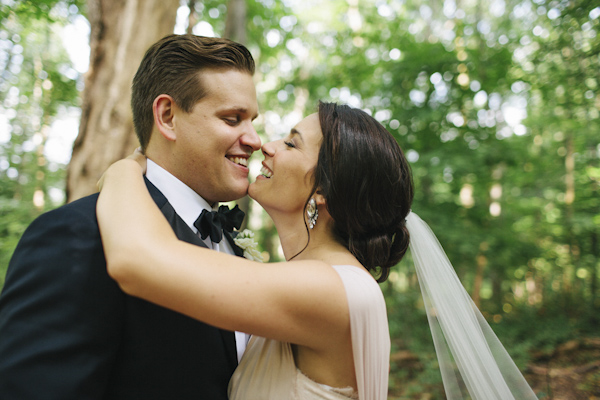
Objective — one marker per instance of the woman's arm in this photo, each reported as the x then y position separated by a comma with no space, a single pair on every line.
301,302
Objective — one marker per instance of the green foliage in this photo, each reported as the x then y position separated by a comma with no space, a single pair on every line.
12,225
37,10
522,341
37,84
494,103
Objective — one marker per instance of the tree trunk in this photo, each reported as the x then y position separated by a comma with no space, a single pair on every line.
478,282
594,269
192,17
570,268
235,26
121,32
235,29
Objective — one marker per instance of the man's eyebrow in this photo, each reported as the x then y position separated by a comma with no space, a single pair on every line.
295,131
240,110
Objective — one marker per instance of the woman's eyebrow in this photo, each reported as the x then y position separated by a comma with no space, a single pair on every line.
295,131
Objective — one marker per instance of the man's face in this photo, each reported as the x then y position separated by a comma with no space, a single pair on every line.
214,141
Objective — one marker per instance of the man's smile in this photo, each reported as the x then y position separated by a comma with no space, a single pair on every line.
243,161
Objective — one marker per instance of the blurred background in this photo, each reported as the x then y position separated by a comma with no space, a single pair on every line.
495,103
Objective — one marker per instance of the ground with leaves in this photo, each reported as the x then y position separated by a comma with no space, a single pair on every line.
570,372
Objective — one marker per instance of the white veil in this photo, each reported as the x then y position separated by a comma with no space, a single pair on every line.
473,362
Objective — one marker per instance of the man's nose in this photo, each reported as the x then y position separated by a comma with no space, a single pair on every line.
251,139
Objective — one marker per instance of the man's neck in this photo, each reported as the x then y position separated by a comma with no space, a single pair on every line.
186,202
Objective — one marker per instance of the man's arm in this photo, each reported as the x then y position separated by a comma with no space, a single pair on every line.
60,313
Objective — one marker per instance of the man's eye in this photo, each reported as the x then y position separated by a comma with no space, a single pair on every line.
232,121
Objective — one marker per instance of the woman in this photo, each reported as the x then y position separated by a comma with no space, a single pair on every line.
339,191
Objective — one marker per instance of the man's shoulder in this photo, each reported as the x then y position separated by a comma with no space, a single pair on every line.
86,206
57,240
78,210
79,216
73,218
83,204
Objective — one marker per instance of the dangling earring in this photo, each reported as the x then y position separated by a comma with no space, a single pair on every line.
312,213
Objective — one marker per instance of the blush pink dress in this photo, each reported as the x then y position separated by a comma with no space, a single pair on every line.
267,370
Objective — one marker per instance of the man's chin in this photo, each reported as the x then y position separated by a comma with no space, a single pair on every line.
235,194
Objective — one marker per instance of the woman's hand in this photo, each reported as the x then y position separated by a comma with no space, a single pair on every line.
136,156
140,158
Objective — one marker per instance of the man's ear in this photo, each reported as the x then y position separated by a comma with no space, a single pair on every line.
163,109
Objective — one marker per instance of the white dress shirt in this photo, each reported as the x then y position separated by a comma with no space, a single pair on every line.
188,205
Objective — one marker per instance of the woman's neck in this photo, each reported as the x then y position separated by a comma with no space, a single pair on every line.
322,246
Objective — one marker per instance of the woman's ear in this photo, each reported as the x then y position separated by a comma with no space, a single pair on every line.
319,198
163,109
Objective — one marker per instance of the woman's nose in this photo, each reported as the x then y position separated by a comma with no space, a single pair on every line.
267,149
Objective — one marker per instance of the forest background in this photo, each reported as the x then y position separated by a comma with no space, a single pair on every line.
495,103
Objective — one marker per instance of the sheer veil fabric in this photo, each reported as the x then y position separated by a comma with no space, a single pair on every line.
473,362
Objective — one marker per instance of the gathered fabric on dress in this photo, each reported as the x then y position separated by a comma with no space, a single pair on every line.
267,370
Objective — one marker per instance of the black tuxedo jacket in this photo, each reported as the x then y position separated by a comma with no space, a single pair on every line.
68,332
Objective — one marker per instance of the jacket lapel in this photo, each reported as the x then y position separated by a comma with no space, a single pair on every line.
184,233
237,250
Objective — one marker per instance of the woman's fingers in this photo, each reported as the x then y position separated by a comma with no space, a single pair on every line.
136,156
139,157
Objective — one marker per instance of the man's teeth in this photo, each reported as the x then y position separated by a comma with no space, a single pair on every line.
266,172
239,160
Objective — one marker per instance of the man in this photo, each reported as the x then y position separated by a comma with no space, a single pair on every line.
66,330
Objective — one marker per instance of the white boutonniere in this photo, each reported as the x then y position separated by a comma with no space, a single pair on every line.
245,241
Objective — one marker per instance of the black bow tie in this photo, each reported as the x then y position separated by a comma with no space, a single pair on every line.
213,223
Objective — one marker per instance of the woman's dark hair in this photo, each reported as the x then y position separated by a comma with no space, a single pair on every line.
367,184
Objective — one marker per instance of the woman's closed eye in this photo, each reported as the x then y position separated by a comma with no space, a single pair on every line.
289,144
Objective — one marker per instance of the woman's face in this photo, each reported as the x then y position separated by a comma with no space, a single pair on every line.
286,178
